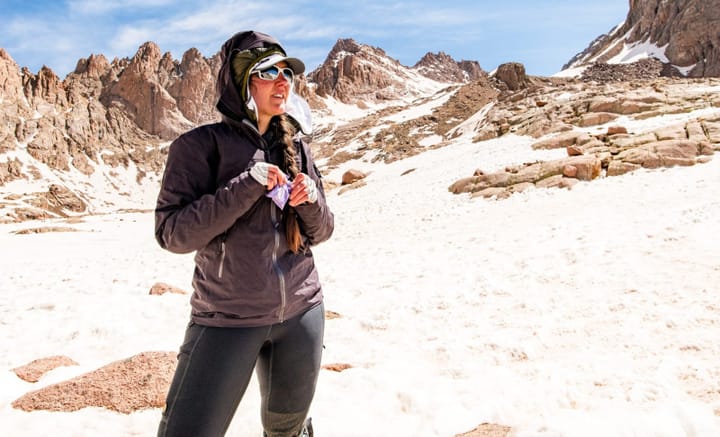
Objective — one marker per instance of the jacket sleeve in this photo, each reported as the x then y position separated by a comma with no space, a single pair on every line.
318,222
191,209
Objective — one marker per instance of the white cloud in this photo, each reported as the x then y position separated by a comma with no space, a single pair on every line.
95,7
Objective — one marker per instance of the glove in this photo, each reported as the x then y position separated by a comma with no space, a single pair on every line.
260,171
311,189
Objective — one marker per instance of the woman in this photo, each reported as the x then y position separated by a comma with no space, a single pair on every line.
244,193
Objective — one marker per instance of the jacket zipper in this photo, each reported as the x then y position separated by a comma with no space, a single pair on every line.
276,266
222,256
275,223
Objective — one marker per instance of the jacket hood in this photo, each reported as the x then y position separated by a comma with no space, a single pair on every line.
254,49
230,99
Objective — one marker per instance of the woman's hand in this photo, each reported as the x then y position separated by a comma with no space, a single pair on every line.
268,175
303,190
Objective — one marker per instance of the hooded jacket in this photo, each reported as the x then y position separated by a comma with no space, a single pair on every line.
245,274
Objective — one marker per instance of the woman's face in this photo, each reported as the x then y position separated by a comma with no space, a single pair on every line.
270,95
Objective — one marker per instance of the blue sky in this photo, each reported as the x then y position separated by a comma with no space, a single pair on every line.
541,34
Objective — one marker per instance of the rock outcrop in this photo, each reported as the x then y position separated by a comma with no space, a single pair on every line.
512,75
101,117
685,31
613,153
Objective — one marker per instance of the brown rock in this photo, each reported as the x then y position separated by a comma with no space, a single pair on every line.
513,75
462,185
705,148
570,171
663,153
713,130
518,188
617,167
66,199
337,367
587,167
596,118
161,288
603,104
136,383
550,182
332,315
671,133
613,130
488,430
695,131
565,139
682,152
626,141
36,369
487,193
50,147
574,151
704,159
352,176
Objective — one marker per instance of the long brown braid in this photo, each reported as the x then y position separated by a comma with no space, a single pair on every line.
292,227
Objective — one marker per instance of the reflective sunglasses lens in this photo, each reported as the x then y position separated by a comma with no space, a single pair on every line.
273,72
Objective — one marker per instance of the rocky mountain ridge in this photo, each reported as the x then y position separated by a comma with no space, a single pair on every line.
97,140
107,120
684,33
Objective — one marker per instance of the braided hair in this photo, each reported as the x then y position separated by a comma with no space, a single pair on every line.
292,226
241,64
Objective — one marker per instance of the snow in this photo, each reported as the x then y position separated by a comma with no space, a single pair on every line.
106,189
637,51
583,312
630,53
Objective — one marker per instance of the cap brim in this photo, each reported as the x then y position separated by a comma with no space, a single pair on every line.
297,66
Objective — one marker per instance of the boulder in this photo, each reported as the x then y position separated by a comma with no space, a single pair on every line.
352,176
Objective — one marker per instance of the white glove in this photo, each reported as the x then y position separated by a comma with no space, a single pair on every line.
259,172
311,189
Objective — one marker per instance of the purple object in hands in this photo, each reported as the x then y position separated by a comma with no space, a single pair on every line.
280,194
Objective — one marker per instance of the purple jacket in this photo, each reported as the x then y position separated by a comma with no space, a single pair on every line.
245,275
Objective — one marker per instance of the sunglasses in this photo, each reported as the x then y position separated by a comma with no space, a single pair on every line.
272,73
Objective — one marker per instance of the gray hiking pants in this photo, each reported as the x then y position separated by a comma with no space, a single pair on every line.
215,366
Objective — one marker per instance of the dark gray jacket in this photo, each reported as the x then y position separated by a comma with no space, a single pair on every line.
245,275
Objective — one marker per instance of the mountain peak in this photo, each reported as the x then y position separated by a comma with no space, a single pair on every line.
681,33
356,72
443,68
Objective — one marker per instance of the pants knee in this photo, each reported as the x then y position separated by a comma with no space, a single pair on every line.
283,424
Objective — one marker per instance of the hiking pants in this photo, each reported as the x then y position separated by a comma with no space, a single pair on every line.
214,370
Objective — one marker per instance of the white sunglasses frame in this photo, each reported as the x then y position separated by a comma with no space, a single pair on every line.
286,72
